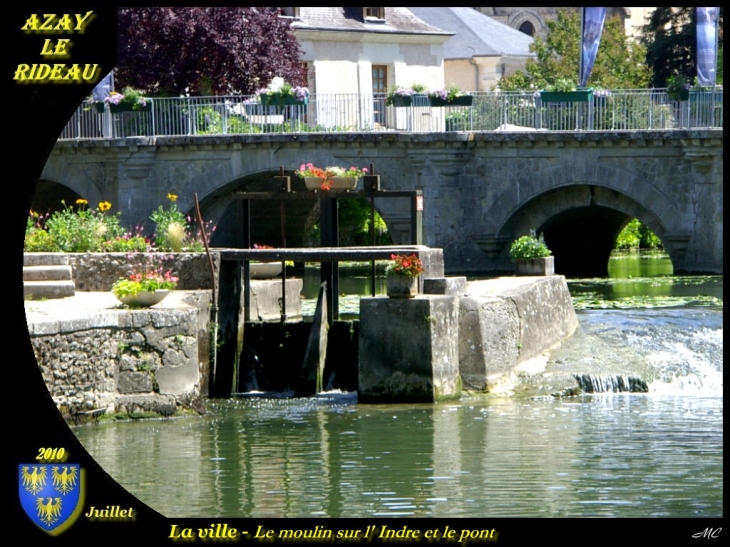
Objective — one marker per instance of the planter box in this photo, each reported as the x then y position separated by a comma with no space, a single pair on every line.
99,107
314,183
535,266
344,183
417,99
122,107
278,100
577,96
401,286
464,100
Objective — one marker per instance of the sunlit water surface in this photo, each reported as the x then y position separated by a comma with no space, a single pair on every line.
658,454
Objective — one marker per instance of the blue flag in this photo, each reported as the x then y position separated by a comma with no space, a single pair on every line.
103,88
707,46
593,19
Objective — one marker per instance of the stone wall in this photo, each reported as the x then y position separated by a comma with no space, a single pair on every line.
481,189
98,271
122,360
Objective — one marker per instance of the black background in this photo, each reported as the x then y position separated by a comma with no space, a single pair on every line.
34,116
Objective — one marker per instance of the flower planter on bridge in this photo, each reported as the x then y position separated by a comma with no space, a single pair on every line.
417,99
577,96
279,100
463,100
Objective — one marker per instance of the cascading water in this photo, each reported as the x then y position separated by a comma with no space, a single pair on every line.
670,343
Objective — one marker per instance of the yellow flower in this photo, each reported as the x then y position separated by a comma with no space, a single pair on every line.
172,197
33,213
104,206
81,201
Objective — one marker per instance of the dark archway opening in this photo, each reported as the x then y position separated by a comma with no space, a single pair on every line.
49,195
265,215
527,28
301,217
582,239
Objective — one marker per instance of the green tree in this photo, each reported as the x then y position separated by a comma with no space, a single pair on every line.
620,62
670,38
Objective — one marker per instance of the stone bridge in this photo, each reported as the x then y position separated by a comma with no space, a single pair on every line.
481,190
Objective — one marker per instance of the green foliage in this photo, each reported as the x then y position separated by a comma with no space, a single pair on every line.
718,76
81,230
529,246
458,120
124,244
619,61
649,239
210,121
354,218
636,235
562,85
128,287
163,219
629,237
148,274
38,240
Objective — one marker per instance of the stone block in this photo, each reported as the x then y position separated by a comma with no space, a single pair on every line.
178,380
266,295
489,340
134,382
444,285
506,321
408,349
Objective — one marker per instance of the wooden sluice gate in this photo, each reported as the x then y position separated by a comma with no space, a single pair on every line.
234,317
234,306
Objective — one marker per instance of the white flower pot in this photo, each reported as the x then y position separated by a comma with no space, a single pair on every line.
144,299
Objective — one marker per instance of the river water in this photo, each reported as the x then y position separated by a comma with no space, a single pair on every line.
530,454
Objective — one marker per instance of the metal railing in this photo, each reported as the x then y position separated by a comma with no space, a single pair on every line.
616,110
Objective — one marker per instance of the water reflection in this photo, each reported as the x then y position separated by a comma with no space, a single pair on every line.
597,456
639,264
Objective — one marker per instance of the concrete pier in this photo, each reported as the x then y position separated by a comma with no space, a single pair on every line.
409,349
433,346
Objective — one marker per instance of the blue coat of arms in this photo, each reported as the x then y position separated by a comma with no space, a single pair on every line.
51,494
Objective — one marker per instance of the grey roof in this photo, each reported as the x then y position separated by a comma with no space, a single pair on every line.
397,21
475,34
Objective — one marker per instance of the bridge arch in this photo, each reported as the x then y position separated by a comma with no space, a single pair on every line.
49,193
221,207
581,218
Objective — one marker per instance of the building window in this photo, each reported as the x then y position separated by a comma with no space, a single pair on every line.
373,13
527,28
289,12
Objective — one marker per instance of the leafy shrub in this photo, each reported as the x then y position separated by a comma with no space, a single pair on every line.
163,218
629,237
529,246
38,240
82,230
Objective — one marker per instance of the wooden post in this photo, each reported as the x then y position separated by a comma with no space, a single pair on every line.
329,237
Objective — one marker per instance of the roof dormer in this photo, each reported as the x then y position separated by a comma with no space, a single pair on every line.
373,14
289,12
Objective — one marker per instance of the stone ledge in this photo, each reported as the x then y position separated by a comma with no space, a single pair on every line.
444,285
